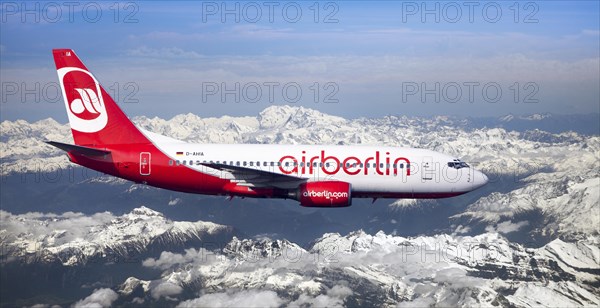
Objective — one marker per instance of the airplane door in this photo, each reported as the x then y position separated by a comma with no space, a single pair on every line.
427,168
145,163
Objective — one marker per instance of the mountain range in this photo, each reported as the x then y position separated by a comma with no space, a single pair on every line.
529,238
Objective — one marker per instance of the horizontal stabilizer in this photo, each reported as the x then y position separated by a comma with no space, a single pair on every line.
78,149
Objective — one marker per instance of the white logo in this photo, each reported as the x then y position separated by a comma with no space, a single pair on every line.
326,194
83,100
89,101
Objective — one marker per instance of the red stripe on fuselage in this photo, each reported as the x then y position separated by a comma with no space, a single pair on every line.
124,162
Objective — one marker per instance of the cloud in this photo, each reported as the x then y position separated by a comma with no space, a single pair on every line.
462,230
591,32
165,52
99,298
507,227
165,289
390,259
418,303
182,74
168,259
58,228
334,298
246,298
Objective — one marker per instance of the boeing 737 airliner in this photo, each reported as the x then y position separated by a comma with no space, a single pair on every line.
315,175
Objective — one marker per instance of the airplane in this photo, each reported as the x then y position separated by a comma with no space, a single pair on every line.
315,175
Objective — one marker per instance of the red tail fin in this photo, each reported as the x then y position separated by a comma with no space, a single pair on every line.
94,116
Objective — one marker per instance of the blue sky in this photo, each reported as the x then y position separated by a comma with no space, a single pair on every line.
352,58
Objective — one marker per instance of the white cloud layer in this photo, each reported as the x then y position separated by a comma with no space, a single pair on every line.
99,298
245,298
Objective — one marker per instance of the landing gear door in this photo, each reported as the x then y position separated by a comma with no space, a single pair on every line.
145,163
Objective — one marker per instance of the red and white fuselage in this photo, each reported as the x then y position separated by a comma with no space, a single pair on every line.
316,175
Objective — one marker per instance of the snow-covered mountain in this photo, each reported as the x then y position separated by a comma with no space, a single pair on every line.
531,172
529,238
379,270
335,270
73,238
22,146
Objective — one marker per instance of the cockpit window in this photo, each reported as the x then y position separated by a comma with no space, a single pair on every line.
457,164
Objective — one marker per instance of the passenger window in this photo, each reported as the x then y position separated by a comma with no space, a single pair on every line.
245,163
272,164
401,166
251,164
184,162
170,162
198,162
237,163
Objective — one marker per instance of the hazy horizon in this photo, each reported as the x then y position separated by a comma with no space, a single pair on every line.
350,59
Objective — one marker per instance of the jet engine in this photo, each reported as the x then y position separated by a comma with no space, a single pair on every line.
324,194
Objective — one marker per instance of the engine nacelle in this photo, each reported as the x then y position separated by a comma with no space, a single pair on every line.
325,194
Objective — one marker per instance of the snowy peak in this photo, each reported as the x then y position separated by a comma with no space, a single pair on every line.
530,117
146,212
263,248
295,117
387,270
73,238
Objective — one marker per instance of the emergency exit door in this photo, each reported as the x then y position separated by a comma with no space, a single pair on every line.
145,163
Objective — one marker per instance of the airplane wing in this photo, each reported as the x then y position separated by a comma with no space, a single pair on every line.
71,148
258,178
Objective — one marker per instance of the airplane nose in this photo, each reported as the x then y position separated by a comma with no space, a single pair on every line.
480,179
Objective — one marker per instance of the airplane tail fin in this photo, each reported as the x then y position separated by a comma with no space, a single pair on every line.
95,118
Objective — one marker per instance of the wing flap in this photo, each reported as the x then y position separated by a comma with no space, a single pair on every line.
258,178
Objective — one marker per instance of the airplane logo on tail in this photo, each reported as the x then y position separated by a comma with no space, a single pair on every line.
85,105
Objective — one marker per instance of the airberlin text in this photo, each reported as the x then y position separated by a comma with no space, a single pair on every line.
326,194
351,165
